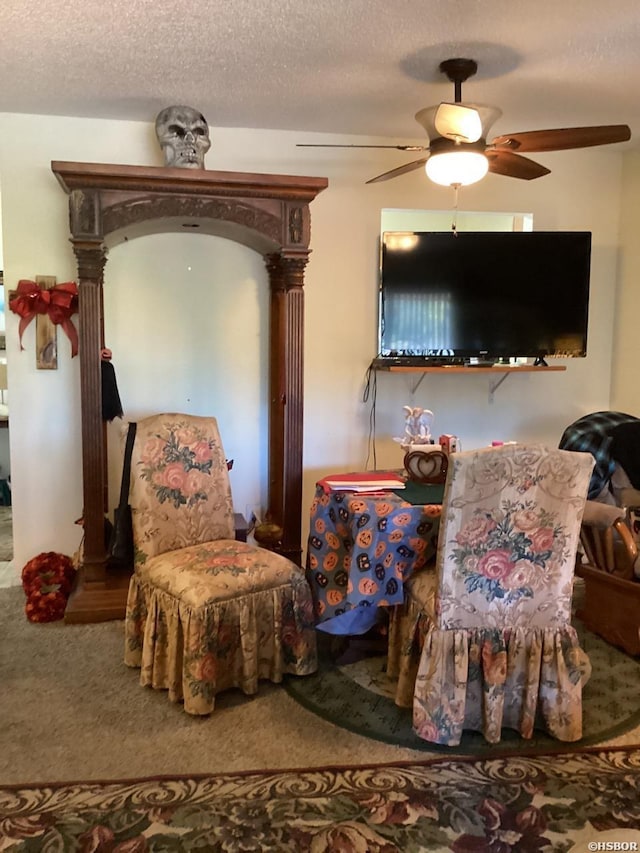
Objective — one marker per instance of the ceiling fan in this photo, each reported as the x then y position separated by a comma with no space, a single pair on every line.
458,152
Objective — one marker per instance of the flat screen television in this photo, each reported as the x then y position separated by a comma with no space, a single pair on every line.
483,296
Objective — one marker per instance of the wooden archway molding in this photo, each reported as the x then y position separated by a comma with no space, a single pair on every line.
269,213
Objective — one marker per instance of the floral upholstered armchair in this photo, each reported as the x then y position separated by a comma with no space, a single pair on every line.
205,612
484,640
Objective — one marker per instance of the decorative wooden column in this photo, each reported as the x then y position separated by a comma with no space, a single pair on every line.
286,405
269,213
91,260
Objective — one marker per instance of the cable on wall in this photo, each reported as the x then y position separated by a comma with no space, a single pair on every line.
370,391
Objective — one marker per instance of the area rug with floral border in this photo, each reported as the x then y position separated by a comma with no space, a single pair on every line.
563,801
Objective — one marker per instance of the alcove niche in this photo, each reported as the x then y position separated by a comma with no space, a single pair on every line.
268,213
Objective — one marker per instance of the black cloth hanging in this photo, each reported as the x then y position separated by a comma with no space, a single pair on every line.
625,449
111,405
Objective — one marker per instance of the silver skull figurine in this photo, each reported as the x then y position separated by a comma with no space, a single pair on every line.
183,134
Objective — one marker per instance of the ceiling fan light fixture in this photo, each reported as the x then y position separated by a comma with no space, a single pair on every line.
432,118
457,168
458,122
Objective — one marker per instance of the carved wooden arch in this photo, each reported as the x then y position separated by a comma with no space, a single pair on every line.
269,213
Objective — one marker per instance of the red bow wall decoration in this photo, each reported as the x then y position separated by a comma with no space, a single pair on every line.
59,303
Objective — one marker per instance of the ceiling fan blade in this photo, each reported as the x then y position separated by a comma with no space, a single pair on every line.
401,170
563,138
331,145
503,162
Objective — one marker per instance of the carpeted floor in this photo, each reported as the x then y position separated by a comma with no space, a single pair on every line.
589,801
70,709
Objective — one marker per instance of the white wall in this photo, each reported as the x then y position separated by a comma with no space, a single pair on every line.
582,193
5,461
5,457
198,306
625,395
1,249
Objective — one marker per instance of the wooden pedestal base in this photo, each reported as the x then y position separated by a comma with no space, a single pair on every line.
611,608
98,602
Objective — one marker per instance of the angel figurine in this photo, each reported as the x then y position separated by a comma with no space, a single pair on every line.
417,426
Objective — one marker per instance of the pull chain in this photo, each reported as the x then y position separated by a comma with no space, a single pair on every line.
454,222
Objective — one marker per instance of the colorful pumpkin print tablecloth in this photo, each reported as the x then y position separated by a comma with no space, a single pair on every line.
361,549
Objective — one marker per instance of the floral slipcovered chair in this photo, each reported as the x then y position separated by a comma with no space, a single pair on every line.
205,612
484,640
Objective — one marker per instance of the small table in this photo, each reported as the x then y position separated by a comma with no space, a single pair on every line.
361,549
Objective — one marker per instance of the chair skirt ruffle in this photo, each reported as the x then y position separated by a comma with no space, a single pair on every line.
488,679
196,650
408,626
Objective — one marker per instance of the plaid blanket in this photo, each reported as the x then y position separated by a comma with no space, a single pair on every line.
594,434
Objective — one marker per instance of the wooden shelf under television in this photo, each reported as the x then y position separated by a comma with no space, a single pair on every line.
459,368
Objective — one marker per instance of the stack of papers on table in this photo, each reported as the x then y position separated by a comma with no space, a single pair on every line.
367,481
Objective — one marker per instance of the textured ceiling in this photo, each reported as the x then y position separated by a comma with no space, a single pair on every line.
335,66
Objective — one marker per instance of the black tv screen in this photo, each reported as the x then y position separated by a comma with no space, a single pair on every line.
485,295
